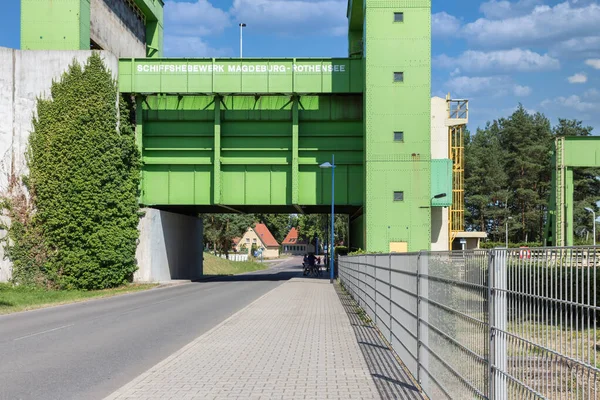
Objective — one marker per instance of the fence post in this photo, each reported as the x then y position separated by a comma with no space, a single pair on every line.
419,317
390,286
374,266
423,261
497,286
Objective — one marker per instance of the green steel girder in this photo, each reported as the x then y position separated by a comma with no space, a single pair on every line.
241,76
569,152
250,150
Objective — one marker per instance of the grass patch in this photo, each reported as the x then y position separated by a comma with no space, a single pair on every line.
19,298
219,266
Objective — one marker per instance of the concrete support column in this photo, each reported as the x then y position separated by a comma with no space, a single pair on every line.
170,247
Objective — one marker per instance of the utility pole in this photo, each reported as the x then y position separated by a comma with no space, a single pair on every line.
242,26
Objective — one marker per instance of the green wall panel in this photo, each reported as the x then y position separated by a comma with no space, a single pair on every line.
233,184
582,151
441,182
55,25
155,184
181,184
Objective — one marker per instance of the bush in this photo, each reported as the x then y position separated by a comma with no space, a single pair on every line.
83,184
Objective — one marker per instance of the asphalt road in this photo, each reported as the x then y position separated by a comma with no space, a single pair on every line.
88,350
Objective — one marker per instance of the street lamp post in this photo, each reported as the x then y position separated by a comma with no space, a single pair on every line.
331,243
594,222
507,219
242,26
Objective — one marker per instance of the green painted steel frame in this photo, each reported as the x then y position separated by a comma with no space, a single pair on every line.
253,76
248,151
569,152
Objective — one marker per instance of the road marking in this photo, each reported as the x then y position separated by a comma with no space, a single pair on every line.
41,333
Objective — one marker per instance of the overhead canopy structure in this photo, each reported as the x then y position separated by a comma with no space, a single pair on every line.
569,152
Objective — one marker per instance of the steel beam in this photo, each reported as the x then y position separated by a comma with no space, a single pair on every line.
295,150
217,152
139,140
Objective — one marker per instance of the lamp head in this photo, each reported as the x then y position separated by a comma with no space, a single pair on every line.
589,209
326,165
242,25
439,196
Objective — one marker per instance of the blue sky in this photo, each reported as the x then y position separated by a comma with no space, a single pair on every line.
544,54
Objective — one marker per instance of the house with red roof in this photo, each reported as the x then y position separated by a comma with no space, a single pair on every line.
260,238
295,246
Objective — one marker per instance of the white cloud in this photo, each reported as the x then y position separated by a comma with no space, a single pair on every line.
190,46
588,46
521,91
574,102
465,86
544,25
198,18
503,60
592,94
495,9
456,72
444,24
578,78
593,62
298,17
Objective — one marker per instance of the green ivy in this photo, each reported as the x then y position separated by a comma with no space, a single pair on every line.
83,181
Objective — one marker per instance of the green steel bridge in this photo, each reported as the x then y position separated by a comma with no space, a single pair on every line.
248,135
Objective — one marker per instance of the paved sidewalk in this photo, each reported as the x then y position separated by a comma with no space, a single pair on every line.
296,342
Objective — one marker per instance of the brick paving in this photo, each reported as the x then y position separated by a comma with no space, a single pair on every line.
295,342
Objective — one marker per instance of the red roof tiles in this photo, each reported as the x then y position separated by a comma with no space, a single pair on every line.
292,238
265,235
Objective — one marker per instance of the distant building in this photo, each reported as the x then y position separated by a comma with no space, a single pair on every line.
292,245
263,240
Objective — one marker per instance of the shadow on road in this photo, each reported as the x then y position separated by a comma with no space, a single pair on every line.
265,275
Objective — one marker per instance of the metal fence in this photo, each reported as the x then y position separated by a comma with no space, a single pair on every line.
498,324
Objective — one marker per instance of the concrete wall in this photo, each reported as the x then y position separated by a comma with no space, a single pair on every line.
115,27
170,247
439,229
439,129
439,150
25,76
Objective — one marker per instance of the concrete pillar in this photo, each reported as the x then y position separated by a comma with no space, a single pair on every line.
170,247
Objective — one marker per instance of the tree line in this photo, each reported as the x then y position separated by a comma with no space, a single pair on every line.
508,172
221,229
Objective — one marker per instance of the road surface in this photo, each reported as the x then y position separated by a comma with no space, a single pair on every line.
88,350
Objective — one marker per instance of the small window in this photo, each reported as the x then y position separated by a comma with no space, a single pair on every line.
398,17
398,76
247,240
398,136
398,196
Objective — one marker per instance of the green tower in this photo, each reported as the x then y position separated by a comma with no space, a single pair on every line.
396,41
